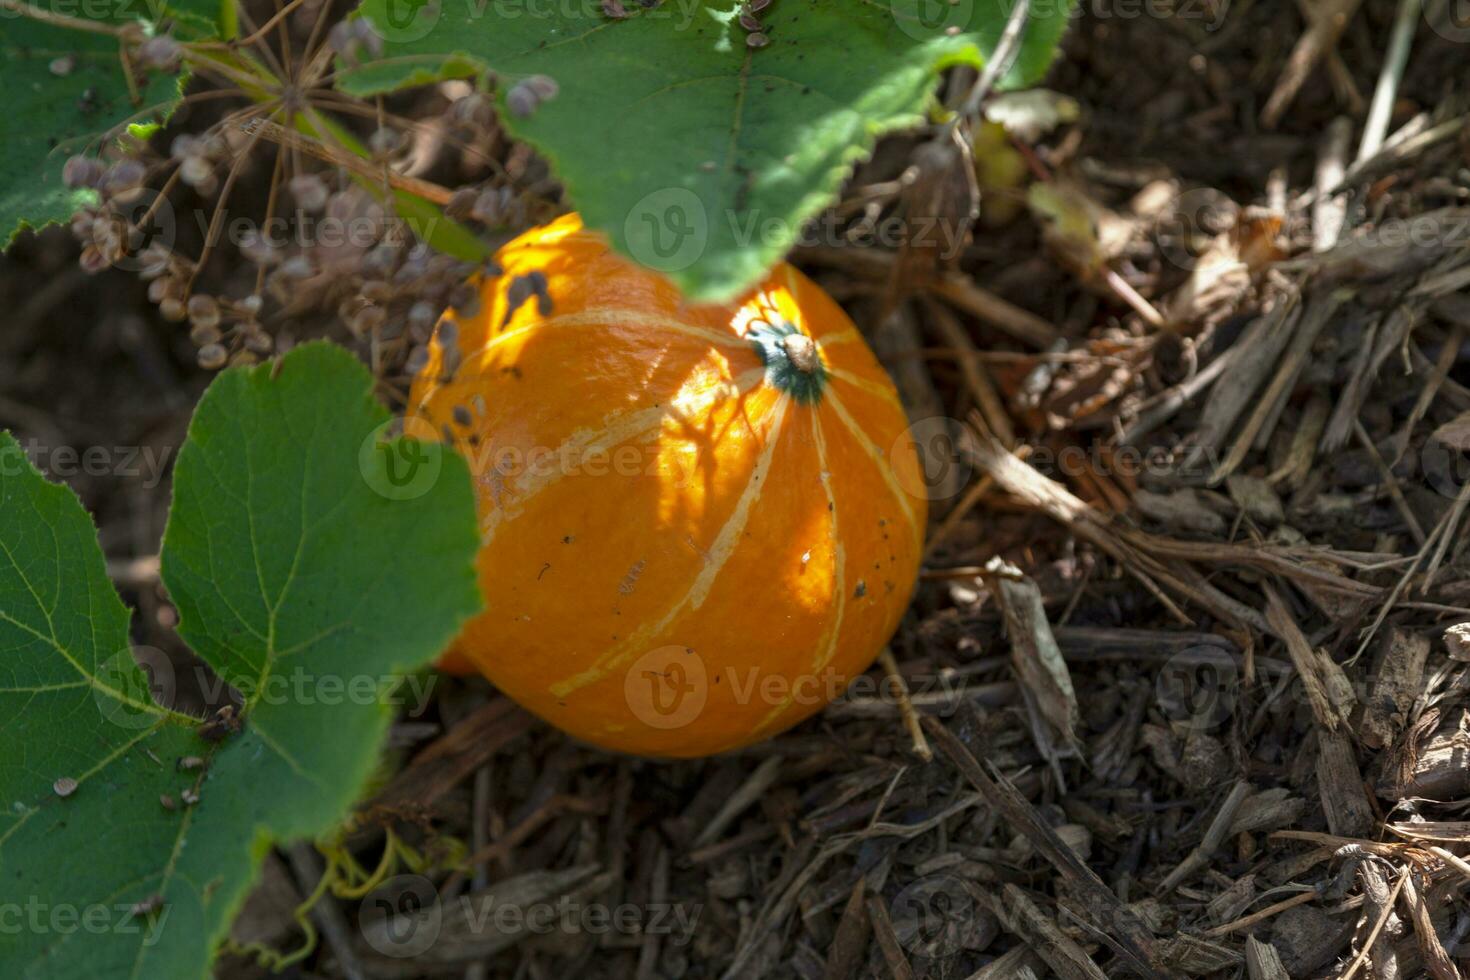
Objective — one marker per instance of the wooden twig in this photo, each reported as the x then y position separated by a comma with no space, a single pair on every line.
1386,91
1256,918
1215,836
276,133
1117,921
1320,37
750,791
898,963
977,378
905,706
1021,324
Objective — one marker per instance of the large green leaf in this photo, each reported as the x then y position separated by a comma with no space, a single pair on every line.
65,87
698,155
308,572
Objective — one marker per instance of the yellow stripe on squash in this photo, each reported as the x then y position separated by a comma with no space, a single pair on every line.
695,532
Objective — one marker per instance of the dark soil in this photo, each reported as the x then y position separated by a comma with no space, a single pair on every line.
1262,770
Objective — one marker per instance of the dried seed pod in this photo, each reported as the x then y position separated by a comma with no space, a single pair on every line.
461,203
756,40
367,320
81,224
420,317
544,86
447,334
106,235
203,310
348,203
258,341
310,191
155,259
172,308
614,9
380,261
161,52
417,358
212,357
297,267
124,179
342,38
526,95
376,291
213,144
250,306
749,21
184,146
92,260
385,142
204,334
196,170
489,206
243,358
520,102
81,171
256,249
63,66
65,786
756,6
368,36
472,110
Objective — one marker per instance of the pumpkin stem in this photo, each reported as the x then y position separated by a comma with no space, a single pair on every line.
802,351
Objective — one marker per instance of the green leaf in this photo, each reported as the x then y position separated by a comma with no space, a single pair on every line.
54,112
308,572
65,88
697,154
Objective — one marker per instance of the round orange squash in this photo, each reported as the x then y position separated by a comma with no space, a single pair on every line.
699,522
